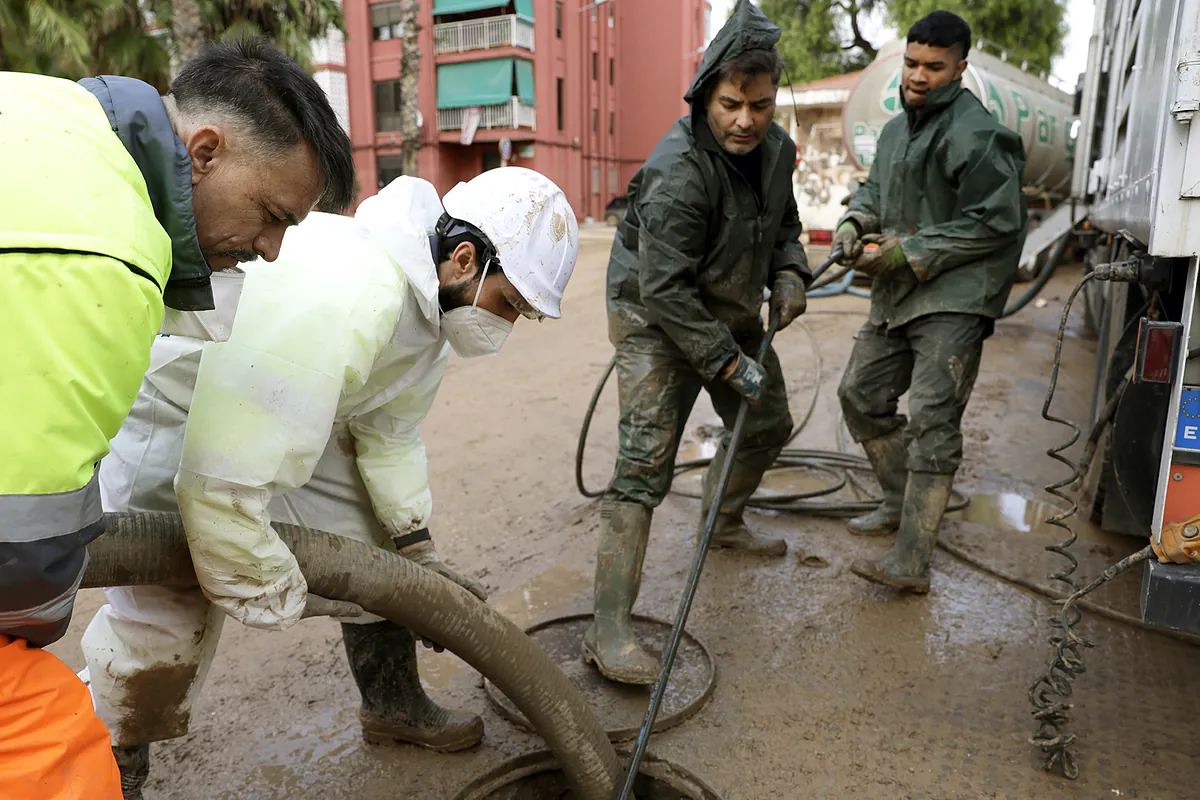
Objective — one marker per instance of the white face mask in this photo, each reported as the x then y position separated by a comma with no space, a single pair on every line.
475,332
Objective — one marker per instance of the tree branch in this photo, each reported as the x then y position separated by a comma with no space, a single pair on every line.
859,40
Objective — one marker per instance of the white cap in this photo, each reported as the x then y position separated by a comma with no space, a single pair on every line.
531,225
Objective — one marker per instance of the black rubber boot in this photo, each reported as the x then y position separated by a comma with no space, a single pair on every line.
610,643
134,763
395,708
888,455
731,530
906,565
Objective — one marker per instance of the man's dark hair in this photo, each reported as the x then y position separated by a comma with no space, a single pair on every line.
749,65
255,82
942,29
453,232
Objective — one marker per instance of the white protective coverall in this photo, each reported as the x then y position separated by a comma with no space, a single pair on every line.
342,332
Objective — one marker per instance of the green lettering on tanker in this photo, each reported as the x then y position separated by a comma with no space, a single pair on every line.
861,132
889,101
995,104
1045,133
1022,106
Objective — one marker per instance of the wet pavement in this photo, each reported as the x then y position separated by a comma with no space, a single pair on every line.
827,686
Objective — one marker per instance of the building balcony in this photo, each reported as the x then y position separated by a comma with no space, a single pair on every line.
509,30
510,115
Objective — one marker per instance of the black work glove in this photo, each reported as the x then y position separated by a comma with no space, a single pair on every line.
746,377
788,300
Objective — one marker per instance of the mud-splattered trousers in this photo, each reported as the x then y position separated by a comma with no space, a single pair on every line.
657,388
935,359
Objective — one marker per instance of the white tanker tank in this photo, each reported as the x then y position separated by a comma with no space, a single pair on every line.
1040,113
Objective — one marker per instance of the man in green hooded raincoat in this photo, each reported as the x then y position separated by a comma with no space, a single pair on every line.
711,224
944,205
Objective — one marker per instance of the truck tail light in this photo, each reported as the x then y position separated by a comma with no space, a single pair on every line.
820,237
1158,348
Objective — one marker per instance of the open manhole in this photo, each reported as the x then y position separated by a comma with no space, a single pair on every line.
537,776
620,707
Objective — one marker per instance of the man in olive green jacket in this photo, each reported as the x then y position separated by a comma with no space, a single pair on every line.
711,224
944,206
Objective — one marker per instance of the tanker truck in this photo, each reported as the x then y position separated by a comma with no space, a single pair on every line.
1137,177
1023,101
1116,169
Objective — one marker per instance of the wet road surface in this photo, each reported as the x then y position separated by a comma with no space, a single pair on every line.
827,686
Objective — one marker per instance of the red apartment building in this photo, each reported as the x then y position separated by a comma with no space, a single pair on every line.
580,90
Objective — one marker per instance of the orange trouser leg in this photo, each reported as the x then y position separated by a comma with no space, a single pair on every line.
52,745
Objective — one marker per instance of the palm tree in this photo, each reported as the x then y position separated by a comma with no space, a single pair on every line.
291,24
187,29
410,74
48,36
76,38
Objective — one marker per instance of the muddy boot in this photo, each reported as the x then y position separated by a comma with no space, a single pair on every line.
887,455
609,643
395,708
134,763
731,530
906,565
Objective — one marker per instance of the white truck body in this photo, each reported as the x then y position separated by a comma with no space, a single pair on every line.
1137,174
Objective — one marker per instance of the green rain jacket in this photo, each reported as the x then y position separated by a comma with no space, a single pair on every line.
698,245
948,184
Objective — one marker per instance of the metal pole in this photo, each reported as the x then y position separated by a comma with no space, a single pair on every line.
693,581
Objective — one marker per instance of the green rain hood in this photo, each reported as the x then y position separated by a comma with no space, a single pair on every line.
747,29
699,243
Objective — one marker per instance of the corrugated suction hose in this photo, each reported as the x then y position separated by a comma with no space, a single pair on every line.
150,549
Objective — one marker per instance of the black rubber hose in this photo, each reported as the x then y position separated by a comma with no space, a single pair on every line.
150,549
583,432
1056,256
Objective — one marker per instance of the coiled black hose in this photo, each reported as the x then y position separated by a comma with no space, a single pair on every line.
1056,255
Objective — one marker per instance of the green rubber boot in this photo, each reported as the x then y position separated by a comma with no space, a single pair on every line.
134,763
610,644
395,708
906,565
887,455
731,530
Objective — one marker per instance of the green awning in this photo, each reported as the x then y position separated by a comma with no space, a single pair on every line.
475,83
525,9
525,81
463,6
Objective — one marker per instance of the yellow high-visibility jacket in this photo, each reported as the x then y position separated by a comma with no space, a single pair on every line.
96,224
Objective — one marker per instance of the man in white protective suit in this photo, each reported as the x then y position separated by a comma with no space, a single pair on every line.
298,400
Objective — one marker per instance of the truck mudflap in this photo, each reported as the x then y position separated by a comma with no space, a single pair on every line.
1171,596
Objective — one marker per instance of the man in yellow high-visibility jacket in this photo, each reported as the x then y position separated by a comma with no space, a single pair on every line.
113,201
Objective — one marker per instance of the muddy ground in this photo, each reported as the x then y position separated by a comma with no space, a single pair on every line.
828,687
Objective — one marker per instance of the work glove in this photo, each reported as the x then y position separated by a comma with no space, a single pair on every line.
846,237
425,554
879,262
746,377
316,606
788,300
